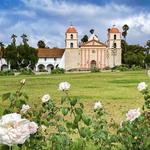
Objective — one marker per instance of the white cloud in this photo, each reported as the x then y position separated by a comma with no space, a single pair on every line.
48,20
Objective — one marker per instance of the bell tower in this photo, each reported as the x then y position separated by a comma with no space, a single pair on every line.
114,47
72,55
71,38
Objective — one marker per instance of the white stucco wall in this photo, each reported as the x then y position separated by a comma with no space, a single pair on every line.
46,62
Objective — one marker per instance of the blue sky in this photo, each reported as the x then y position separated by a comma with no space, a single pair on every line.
49,19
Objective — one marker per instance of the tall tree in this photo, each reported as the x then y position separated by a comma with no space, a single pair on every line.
135,55
13,37
147,47
92,31
124,42
24,38
125,29
1,52
21,56
84,39
41,44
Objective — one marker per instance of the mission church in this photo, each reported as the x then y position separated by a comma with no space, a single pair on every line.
85,56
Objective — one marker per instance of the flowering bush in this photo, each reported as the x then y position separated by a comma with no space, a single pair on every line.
67,126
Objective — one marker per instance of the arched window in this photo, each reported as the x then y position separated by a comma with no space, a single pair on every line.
71,36
115,37
71,45
115,45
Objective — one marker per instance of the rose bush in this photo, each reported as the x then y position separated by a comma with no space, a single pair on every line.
67,126
15,130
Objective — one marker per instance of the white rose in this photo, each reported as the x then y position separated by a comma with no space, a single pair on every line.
132,114
46,98
98,105
15,130
142,86
25,108
64,86
23,81
32,126
43,127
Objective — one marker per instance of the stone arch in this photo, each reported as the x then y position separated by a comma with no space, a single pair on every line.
71,36
41,67
4,67
50,67
71,45
93,64
57,65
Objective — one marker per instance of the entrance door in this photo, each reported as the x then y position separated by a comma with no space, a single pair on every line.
93,64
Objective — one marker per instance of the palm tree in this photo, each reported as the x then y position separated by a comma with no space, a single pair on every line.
125,29
13,37
123,42
41,44
92,31
1,52
24,38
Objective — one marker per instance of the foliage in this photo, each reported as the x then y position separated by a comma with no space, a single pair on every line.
67,126
147,60
92,31
21,56
41,44
95,69
6,73
134,55
125,29
84,39
135,134
125,67
58,71
25,71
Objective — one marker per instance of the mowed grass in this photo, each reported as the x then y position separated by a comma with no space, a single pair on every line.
116,90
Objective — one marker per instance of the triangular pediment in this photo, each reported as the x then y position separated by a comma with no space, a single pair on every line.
93,43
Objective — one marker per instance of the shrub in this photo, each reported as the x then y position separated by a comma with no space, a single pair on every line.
6,73
26,72
95,69
53,126
58,71
135,68
121,68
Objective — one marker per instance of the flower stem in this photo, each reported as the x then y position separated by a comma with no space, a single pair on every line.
10,147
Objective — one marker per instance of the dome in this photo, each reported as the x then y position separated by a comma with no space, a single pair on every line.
71,29
114,30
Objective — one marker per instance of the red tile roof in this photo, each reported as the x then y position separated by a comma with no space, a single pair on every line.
114,30
71,29
50,52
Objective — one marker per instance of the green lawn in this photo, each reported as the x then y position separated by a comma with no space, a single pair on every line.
116,90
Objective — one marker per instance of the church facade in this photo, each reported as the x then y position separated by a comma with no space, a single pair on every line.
92,53
84,56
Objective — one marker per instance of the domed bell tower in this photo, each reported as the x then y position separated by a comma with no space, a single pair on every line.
114,47
72,49
71,38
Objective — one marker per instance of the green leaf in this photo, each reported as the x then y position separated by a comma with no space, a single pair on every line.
86,120
65,111
78,111
6,96
61,129
69,125
25,96
81,105
73,102
84,132
77,118
63,99
147,142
